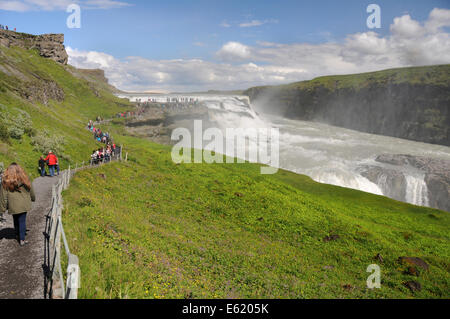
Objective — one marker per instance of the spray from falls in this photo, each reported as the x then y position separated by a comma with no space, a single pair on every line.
326,153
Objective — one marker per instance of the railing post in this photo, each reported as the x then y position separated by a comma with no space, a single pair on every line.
73,277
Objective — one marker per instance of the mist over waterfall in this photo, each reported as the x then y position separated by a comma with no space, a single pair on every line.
333,155
328,154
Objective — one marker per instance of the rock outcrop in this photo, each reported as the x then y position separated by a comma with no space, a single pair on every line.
391,182
437,176
436,171
50,46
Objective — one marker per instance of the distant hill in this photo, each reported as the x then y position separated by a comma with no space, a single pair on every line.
217,92
411,103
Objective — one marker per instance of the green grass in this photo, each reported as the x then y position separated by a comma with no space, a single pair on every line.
154,229
435,75
67,118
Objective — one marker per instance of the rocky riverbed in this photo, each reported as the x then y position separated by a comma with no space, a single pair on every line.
436,177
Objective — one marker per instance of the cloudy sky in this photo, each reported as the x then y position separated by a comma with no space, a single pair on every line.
193,45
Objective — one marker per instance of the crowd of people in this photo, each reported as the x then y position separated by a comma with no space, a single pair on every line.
5,27
99,135
16,190
52,162
103,154
130,113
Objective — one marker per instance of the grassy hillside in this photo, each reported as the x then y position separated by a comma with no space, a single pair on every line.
153,229
46,105
409,103
435,75
149,228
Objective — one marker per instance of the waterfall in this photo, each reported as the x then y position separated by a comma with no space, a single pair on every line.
416,190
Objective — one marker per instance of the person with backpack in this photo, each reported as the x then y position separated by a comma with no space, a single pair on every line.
16,195
51,160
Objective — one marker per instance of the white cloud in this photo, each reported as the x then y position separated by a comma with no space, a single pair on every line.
54,5
234,51
241,66
256,23
200,44
225,24
248,24
438,18
253,23
14,6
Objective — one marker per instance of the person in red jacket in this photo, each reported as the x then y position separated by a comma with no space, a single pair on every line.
51,160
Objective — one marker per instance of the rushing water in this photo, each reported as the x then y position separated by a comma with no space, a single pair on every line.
326,153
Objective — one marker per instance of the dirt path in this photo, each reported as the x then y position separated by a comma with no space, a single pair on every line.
21,268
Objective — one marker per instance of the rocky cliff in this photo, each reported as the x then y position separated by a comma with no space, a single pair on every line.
50,46
411,103
436,176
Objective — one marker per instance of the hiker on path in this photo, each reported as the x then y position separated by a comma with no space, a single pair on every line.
16,195
42,166
51,160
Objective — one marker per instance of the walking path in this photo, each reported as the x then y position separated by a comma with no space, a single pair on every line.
22,268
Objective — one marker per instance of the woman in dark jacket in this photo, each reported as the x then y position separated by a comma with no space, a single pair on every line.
16,195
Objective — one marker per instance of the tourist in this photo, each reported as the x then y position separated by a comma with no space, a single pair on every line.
51,160
16,195
42,166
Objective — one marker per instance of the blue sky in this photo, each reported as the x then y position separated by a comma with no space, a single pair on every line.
198,29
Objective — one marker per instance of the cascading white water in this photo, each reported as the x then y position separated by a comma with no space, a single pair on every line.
416,190
328,154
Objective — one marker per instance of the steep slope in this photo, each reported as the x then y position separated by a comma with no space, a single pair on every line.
411,103
46,105
162,230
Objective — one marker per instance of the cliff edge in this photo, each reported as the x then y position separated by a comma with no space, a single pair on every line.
411,103
50,46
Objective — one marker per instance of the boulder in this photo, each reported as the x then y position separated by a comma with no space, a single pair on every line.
414,261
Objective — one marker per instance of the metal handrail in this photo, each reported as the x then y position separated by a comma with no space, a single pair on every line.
54,233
